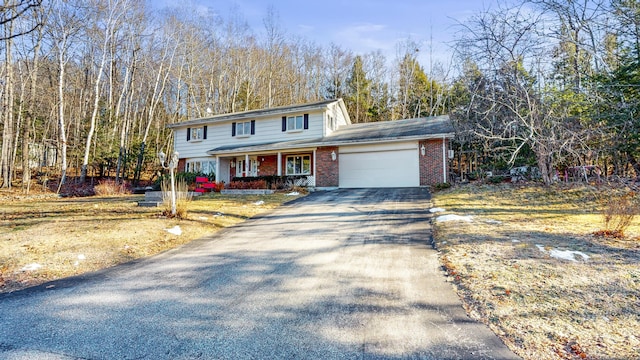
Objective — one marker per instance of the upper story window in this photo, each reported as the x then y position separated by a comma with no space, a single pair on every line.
243,129
197,133
295,123
331,122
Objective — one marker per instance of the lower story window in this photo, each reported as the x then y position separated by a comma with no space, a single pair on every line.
299,165
201,166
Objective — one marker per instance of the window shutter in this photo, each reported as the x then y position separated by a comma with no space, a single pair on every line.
188,134
204,133
253,127
284,123
306,121
233,129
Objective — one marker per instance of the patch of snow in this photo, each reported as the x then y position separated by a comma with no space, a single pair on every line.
175,230
515,241
202,218
258,203
293,193
31,267
454,217
81,257
493,222
436,210
569,255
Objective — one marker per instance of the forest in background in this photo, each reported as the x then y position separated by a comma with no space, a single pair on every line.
88,86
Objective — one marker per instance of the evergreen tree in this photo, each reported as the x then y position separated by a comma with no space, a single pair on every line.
358,96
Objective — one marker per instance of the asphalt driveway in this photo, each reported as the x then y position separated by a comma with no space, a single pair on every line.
345,274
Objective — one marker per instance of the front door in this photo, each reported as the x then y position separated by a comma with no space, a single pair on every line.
253,166
241,167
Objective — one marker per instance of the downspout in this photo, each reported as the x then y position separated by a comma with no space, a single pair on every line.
444,160
314,169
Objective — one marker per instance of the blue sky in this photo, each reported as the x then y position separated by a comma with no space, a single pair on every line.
359,25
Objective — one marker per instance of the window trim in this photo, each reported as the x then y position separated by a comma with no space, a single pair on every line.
190,166
197,134
248,128
304,125
302,158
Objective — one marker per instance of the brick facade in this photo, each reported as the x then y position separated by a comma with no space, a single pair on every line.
268,166
327,168
431,162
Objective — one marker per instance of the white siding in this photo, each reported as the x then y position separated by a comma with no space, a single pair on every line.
338,115
267,130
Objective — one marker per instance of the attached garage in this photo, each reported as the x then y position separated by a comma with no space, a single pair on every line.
376,166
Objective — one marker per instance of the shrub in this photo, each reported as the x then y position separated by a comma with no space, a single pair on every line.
618,214
497,179
190,177
183,197
111,187
441,186
255,184
219,186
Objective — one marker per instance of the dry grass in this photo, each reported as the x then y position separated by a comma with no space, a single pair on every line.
544,307
78,235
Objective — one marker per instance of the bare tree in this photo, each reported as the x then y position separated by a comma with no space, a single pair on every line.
510,107
64,26
13,10
109,14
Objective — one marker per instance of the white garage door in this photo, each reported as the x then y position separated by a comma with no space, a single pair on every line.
379,167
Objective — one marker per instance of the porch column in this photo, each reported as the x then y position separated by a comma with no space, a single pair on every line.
218,168
279,163
246,165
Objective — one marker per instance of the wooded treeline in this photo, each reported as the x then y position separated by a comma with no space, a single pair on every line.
551,83
89,85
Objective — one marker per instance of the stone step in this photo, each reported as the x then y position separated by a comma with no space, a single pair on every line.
147,203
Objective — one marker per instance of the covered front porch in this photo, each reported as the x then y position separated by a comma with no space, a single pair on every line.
297,166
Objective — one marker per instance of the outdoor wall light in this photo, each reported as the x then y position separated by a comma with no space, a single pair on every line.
423,150
333,156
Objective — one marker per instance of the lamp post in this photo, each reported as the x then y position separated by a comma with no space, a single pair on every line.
173,163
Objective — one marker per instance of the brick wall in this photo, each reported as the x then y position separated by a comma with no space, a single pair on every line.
269,166
326,168
431,162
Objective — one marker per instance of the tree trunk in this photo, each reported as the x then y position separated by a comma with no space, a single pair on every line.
545,164
7,130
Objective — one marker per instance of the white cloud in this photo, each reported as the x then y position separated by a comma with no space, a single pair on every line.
365,37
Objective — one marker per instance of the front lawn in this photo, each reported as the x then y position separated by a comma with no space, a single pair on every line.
525,261
43,237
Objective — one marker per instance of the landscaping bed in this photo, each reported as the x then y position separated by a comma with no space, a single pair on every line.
526,262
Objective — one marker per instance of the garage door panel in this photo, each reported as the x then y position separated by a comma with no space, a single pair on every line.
379,169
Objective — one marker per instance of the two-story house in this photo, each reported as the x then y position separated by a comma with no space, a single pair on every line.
316,141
